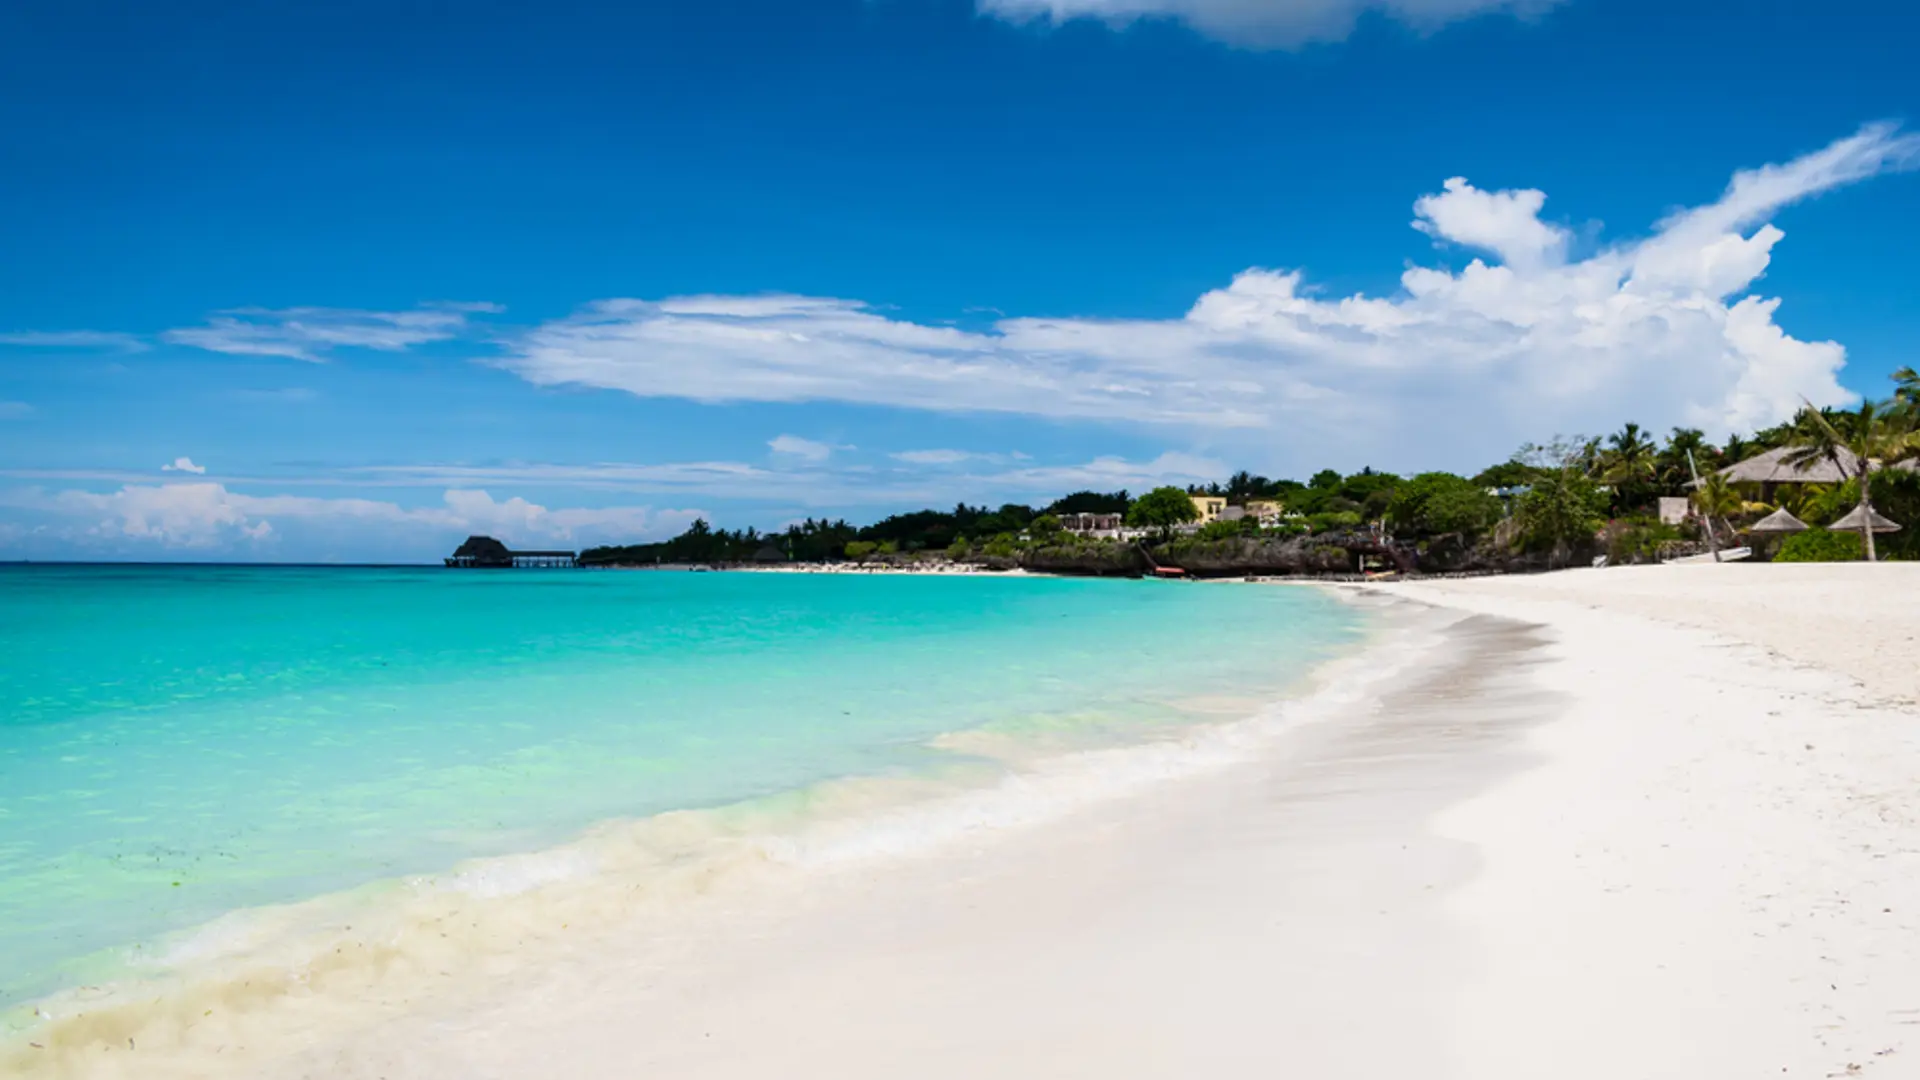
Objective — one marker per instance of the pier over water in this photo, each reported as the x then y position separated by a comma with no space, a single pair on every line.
486,553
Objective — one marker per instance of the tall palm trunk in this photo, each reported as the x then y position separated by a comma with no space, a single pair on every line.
1866,510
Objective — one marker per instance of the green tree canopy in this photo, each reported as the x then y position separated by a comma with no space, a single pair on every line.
1092,502
1438,503
1162,509
1507,474
1907,388
1563,508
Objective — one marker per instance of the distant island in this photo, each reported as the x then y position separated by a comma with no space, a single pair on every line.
1625,498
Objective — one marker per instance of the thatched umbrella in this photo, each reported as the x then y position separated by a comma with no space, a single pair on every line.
1864,515
1780,521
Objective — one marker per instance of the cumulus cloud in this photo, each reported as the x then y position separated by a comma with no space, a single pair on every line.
184,464
1458,365
804,449
74,339
311,333
205,515
1260,23
1506,223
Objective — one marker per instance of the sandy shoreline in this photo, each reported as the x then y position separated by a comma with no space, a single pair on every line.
1715,870
1659,822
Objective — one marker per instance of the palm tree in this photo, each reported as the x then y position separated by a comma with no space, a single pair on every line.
1685,447
1629,460
1907,392
1875,437
1737,451
1716,498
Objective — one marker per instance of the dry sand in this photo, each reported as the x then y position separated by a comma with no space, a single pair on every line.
1715,870
1643,823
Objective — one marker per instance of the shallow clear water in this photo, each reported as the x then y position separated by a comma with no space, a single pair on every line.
180,742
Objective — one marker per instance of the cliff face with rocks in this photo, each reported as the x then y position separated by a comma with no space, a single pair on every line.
1101,560
1325,553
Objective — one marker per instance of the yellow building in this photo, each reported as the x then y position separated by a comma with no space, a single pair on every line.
1209,507
1265,511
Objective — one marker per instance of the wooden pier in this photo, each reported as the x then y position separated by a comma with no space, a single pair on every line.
486,553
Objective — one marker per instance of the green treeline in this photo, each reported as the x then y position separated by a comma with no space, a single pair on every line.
1558,498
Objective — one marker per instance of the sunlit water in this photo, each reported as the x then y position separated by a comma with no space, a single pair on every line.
180,742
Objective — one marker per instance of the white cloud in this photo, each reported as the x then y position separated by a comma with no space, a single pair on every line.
205,515
1506,223
944,458
15,410
186,465
935,457
804,449
967,475
1113,473
310,333
1458,366
74,339
1260,23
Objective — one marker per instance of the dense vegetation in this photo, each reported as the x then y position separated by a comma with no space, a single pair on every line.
815,541
1556,502
1820,545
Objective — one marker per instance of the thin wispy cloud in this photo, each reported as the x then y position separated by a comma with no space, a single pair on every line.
15,410
1260,23
972,476
935,457
804,449
945,458
313,333
1459,365
204,515
103,340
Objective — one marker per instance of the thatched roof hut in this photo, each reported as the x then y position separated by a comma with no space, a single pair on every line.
1780,521
481,551
1772,468
1861,515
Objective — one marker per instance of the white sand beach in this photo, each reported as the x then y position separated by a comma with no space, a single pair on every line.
1646,822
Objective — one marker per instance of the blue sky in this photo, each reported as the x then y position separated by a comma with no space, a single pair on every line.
350,280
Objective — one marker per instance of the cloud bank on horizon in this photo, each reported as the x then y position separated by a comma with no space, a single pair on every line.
204,517
1261,23
1524,341
208,516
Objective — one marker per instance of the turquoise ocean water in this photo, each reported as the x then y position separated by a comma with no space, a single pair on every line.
177,743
